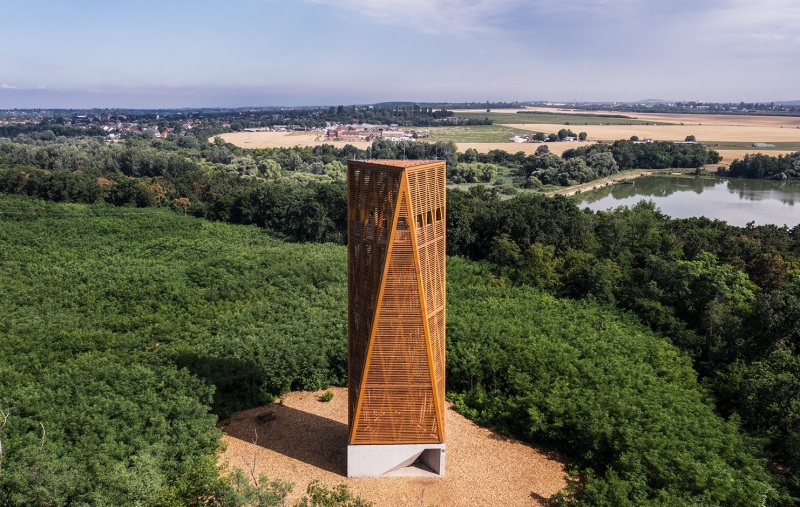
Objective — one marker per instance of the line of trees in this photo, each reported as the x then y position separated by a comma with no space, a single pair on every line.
766,167
588,163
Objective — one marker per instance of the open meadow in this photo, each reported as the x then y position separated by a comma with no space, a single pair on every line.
475,133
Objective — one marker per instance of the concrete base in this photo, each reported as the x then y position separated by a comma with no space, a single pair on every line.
405,460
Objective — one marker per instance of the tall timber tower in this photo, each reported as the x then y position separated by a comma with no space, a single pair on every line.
396,316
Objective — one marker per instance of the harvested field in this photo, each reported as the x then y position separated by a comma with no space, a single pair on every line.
712,129
282,140
527,148
308,438
732,120
729,155
686,119
704,133
551,117
738,132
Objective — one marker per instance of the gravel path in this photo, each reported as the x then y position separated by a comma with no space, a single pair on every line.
308,439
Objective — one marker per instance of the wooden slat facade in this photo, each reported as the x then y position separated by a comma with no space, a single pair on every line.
396,307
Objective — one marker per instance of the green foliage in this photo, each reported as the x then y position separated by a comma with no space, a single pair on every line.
141,424
623,402
319,495
728,296
661,155
263,493
473,172
326,396
121,341
760,166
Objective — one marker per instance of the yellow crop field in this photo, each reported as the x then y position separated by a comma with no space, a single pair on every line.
739,132
282,140
705,133
707,128
527,148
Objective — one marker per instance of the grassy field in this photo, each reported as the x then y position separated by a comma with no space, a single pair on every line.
553,118
779,147
475,134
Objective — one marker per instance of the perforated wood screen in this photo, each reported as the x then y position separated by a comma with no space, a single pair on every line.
396,286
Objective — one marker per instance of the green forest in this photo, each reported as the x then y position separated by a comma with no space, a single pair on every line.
152,287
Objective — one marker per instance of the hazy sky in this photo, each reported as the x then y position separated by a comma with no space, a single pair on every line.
182,53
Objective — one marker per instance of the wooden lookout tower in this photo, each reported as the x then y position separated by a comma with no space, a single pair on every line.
396,317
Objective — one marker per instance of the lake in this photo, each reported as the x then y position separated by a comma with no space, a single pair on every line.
737,201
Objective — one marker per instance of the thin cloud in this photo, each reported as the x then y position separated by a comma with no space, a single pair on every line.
8,87
780,18
777,20
433,16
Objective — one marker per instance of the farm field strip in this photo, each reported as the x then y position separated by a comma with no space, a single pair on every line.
703,133
742,120
527,148
475,134
254,140
553,118
733,134
733,145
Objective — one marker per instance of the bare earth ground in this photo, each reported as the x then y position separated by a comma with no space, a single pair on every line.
308,441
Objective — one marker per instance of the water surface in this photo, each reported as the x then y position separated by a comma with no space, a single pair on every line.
737,201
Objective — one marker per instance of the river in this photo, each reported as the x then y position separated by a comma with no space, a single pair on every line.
737,201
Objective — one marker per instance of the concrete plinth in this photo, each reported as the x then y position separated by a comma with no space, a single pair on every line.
405,460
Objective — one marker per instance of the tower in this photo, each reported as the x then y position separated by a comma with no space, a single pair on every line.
396,316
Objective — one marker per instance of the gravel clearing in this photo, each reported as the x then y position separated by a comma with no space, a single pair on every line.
307,440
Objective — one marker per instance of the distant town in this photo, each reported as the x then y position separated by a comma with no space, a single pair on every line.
392,120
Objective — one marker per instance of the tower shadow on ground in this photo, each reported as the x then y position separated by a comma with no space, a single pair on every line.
306,437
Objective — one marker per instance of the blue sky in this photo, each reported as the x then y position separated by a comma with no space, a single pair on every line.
203,53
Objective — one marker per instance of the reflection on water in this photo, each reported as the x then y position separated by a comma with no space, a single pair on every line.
737,201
